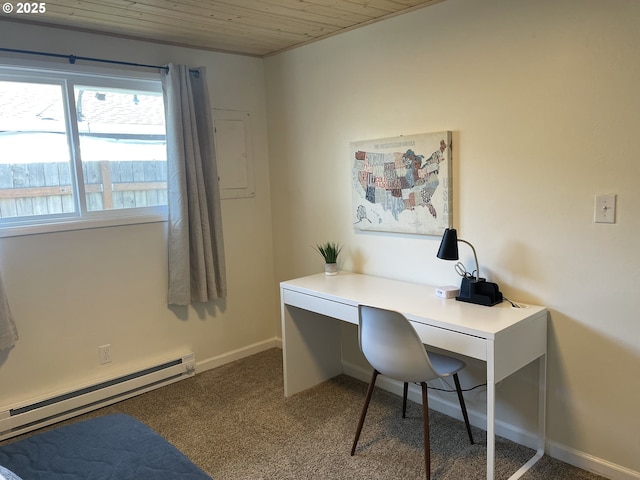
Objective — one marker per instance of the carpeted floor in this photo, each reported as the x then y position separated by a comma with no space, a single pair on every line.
235,423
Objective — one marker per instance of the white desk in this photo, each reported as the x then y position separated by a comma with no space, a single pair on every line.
505,338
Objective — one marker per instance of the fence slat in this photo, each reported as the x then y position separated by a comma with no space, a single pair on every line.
45,188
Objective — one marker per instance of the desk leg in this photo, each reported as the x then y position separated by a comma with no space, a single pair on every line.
491,414
311,349
542,404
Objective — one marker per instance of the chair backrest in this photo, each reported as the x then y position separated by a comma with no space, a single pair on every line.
392,346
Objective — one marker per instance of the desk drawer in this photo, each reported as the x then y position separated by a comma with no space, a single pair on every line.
341,311
468,345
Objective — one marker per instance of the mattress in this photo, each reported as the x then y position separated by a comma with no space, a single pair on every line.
113,447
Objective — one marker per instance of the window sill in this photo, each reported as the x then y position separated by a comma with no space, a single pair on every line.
81,224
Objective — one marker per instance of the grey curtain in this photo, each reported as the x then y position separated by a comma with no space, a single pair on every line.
8,332
196,249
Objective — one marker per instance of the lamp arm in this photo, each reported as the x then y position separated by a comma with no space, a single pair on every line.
474,256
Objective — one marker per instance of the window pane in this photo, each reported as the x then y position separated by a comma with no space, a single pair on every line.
35,160
123,147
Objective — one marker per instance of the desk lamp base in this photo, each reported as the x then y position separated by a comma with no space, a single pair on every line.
479,291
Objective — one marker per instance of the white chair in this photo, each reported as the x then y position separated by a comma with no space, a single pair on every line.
393,348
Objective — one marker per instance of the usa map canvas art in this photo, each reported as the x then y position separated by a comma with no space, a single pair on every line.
403,184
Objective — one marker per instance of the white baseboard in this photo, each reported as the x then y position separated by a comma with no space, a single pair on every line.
589,462
234,355
503,429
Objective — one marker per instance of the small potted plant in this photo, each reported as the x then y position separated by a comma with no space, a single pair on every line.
330,252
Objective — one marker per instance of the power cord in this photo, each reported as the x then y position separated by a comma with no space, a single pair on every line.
452,391
514,304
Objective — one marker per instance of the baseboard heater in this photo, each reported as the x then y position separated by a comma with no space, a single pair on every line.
63,405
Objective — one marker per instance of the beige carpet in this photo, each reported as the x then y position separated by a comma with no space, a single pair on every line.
235,423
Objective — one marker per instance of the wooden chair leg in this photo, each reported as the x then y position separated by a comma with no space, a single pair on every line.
372,385
404,399
425,423
463,406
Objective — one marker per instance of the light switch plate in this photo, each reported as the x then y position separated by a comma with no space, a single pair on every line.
605,209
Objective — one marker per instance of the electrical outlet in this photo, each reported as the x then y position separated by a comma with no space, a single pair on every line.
105,353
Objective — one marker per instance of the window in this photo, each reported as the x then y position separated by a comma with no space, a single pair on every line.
80,149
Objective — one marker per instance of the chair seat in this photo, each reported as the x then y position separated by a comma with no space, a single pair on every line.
444,365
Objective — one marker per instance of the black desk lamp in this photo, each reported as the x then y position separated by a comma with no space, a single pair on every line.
473,289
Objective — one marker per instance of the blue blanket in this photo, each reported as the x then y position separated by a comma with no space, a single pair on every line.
113,447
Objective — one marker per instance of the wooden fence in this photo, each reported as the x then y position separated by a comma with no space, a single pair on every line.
46,188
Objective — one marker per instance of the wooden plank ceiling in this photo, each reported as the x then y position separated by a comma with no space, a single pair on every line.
250,27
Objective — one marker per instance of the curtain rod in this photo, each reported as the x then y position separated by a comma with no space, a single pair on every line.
72,59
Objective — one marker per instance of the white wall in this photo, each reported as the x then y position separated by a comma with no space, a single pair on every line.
543,101
71,292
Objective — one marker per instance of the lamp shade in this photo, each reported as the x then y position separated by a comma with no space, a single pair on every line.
449,245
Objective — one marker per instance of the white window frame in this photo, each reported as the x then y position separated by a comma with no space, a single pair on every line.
68,77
